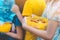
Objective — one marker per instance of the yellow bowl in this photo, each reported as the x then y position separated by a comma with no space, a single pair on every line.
5,27
37,22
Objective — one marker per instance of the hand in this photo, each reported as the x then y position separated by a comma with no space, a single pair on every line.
15,8
24,24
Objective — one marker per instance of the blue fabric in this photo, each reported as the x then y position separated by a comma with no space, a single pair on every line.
16,21
6,15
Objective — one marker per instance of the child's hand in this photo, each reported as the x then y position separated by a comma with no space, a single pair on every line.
24,24
15,9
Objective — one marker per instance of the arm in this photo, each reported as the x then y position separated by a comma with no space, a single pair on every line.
18,35
19,31
15,9
48,34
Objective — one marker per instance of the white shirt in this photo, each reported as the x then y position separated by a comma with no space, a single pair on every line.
53,13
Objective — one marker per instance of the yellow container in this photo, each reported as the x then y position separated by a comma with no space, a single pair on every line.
5,27
36,22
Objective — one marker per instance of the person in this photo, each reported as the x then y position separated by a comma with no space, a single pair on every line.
7,15
52,32
31,8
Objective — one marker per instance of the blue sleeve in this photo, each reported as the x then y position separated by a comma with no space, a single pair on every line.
16,21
